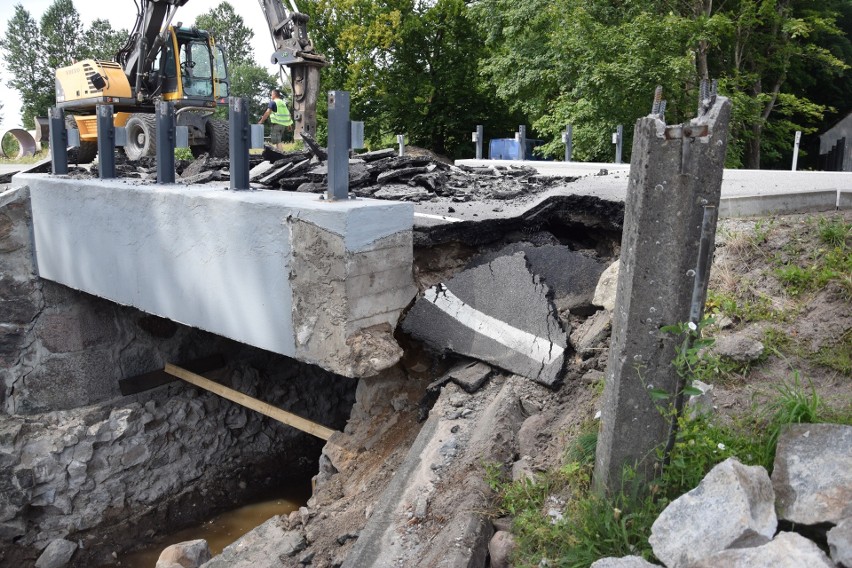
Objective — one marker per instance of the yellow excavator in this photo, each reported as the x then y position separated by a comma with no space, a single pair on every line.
185,66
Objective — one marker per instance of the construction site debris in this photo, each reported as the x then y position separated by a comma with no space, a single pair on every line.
380,174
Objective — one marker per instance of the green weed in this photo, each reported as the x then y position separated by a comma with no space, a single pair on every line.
761,231
838,356
741,307
183,154
834,232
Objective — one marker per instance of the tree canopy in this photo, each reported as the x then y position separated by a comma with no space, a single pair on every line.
32,51
229,31
436,69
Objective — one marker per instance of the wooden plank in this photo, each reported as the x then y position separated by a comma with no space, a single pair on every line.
158,378
264,408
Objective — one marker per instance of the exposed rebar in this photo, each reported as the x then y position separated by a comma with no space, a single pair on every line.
658,97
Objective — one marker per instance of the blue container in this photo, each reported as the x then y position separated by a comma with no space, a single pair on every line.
509,149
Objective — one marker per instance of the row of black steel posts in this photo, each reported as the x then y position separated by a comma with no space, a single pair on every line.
343,135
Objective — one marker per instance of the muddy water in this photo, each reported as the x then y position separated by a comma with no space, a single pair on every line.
221,530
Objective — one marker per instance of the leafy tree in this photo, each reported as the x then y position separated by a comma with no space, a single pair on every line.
61,34
103,42
33,51
254,83
590,64
410,67
432,89
26,65
594,64
229,31
767,36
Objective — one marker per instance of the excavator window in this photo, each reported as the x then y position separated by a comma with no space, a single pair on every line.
196,69
222,90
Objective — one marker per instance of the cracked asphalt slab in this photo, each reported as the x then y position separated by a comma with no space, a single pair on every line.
498,312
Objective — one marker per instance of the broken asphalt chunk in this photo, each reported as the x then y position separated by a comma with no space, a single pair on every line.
314,147
572,276
497,312
470,376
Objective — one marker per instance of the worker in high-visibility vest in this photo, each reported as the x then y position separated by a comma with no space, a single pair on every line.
282,122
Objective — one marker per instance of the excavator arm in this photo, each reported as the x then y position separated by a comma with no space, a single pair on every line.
293,48
153,18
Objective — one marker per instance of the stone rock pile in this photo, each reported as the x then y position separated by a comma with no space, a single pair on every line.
732,518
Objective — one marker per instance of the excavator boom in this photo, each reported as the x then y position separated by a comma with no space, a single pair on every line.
293,48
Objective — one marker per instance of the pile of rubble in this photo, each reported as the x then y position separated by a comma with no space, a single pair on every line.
380,174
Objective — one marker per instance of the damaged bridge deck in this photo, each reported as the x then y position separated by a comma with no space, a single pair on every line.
290,273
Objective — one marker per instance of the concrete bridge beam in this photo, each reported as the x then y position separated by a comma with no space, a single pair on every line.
323,282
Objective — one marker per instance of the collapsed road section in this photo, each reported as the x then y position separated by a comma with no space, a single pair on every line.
157,454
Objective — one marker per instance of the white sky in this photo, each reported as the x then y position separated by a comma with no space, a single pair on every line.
122,14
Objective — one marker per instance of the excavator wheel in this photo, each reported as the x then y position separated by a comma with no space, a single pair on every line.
141,136
218,134
217,140
87,150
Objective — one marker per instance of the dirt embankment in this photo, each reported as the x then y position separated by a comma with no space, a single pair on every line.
778,280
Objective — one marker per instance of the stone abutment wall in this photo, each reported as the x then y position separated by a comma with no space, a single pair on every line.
80,461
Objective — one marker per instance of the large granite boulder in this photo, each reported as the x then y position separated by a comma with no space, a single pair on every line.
733,506
812,476
840,543
787,550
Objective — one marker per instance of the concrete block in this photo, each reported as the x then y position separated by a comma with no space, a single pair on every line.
377,282
365,306
237,264
784,203
844,199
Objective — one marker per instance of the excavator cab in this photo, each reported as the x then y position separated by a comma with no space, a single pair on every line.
179,64
197,76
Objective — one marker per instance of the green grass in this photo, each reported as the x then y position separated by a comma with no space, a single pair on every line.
837,357
801,270
742,307
594,526
834,232
26,160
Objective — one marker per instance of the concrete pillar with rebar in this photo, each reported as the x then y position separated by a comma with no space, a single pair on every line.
675,175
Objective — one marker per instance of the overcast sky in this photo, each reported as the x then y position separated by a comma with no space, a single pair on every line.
122,14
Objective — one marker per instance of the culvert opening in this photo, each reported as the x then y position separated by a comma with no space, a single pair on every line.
127,473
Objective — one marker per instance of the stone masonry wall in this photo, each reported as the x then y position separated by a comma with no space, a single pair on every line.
65,472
